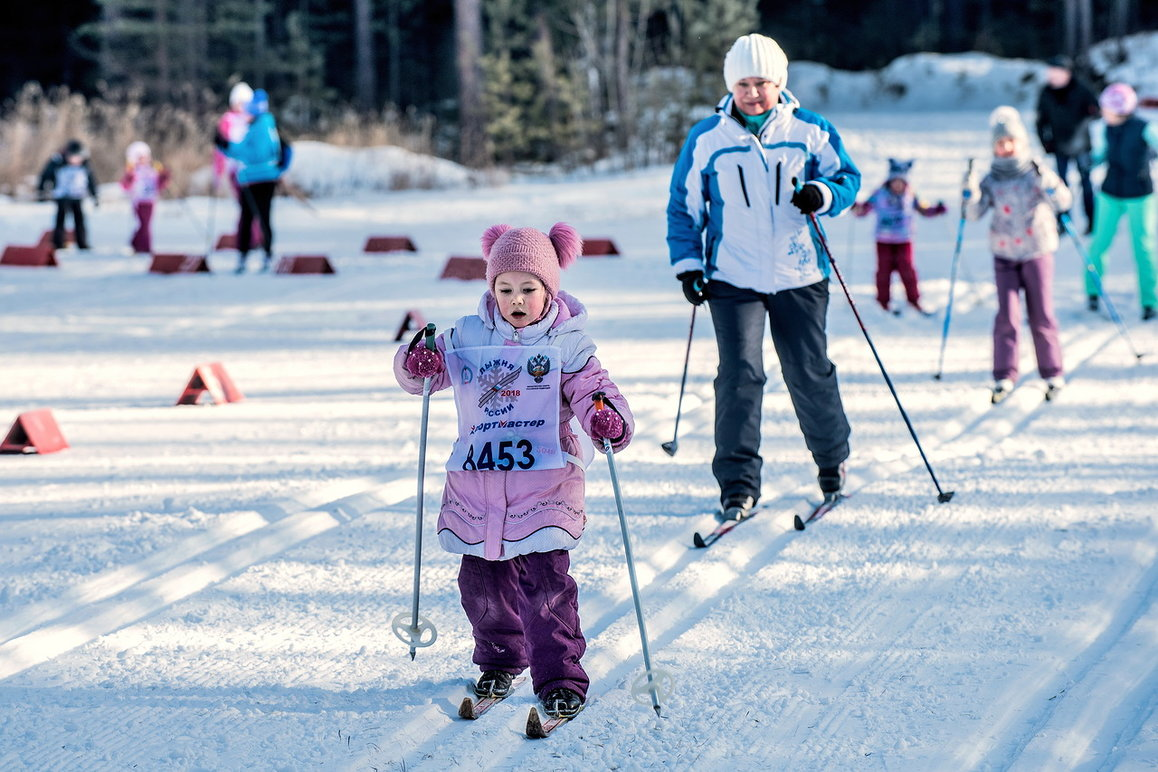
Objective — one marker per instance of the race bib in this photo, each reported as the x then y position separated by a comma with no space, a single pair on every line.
508,400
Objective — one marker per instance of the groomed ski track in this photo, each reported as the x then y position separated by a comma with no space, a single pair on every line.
1010,629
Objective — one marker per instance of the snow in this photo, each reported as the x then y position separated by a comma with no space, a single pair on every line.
212,587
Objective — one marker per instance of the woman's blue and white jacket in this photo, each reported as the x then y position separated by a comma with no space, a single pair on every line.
729,213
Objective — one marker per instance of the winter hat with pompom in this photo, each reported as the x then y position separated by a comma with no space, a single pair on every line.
1005,122
755,56
1119,98
899,170
540,254
138,151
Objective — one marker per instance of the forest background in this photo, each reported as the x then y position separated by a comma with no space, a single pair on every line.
488,83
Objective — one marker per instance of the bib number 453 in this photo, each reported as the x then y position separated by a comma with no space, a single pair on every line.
503,461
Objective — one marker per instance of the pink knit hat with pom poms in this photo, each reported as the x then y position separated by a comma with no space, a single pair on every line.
530,250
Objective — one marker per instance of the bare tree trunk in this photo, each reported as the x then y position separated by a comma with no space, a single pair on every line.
394,45
622,59
471,118
1071,27
365,81
259,43
164,76
1085,26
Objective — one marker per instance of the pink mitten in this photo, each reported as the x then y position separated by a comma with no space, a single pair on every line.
423,362
606,424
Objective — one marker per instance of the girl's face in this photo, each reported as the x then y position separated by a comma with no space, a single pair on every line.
897,186
521,296
1005,147
1112,118
755,96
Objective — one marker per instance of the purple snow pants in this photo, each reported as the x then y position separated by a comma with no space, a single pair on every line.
1035,277
525,611
142,241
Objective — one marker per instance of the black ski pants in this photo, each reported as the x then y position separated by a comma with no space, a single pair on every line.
64,208
256,200
797,318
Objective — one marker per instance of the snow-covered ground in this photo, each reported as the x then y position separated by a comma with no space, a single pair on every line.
212,587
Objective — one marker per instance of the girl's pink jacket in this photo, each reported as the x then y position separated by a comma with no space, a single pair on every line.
498,515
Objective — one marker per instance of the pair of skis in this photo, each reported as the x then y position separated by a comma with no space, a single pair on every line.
799,521
537,727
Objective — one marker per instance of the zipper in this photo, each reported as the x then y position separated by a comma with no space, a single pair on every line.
778,182
743,186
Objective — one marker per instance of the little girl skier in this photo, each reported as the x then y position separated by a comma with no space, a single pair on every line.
895,202
1024,196
1126,144
521,368
144,180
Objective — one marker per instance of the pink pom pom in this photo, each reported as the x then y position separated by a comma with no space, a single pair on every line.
490,236
568,243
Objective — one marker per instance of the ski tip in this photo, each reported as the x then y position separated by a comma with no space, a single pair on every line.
535,725
797,523
698,540
466,709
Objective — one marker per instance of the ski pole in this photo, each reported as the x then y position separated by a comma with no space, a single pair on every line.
671,447
653,682
953,276
942,495
415,632
209,245
1067,226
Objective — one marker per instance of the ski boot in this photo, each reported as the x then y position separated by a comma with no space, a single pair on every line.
1001,390
831,480
737,507
562,703
1053,386
494,683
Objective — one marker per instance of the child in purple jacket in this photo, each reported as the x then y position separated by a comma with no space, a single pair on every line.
895,202
513,505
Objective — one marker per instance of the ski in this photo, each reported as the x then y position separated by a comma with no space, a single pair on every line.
538,728
707,540
819,511
470,710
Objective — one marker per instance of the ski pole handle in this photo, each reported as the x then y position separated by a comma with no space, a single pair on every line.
429,333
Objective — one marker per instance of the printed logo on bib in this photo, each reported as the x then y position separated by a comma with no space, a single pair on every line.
508,408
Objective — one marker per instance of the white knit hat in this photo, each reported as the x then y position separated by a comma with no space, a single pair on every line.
1005,121
137,151
240,95
755,56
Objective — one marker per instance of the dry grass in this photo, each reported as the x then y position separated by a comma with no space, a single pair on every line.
35,124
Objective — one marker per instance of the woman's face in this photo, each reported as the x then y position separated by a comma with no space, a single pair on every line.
755,95
522,298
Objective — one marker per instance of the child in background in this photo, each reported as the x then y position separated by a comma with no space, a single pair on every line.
895,202
521,368
144,180
68,176
1126,144
1025,197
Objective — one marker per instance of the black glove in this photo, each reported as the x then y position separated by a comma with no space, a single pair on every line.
220,140
808,199
695,290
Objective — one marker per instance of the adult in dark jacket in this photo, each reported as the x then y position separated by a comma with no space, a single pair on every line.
1065,109
68,179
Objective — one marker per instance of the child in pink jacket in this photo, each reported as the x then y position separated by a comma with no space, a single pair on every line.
144,179
521,368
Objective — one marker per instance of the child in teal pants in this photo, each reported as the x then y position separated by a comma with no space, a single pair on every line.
1125,144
